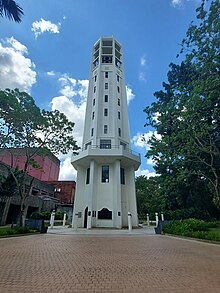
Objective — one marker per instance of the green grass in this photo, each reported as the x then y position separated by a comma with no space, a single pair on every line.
8,231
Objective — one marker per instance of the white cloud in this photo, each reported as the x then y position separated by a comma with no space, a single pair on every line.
142,76
51,73
150,161
143,61
176,3
42,26
142,71
156,116
67,171
72,103
16,70
142,140
145,172
130,95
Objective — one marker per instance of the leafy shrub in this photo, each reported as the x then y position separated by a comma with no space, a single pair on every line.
183,227
40,216
186,214
194,228
46,216
15,230
59,215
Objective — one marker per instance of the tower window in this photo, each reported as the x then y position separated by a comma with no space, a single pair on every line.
105,174
106,85
93,102
118,78
106,98
106,74
105,144
87,175
94,90
118,89
93,115
119,102
105,112
105,129
122,173
92,131
119,131
95,78
119,115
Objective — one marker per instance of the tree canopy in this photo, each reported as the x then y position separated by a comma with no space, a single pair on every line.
24,125
11,10
187,155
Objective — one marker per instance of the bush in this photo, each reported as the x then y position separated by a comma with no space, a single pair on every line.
15,230
193,228
40,216
186,214
46,216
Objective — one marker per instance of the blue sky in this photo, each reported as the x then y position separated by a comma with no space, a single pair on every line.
49,53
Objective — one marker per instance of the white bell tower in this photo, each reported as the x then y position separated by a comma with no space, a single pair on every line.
105,186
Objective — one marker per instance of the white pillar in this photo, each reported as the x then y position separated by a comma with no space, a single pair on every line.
129,221
148,220
64,219
117,218
75,221
157,219
52,218
90,195
162,217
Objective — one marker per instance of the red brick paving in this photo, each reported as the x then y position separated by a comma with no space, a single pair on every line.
71,263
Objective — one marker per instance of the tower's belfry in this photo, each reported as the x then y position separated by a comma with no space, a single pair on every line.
105,187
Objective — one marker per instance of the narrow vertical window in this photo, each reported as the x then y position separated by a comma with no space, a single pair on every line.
105,174
106,74
119,103
106,85
95,78
94,90
119,115
122,173
106,98
119,131
93,115
118,78
105,112
92,131
87,175
93,102
118,89
105,129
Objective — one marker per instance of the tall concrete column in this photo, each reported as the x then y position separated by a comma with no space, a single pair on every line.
90,194
132,204
117,196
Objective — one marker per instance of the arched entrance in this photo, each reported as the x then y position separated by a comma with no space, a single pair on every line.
85,217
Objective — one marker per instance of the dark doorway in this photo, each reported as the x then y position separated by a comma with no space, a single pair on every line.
13,214
85,217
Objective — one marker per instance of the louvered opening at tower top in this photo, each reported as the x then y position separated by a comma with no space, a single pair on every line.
107,51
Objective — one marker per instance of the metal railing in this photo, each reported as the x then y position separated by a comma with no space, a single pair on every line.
110,147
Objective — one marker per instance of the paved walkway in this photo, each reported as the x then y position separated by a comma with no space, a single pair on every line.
102,232
100,262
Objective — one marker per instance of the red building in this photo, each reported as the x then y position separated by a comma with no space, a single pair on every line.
48,165
64,191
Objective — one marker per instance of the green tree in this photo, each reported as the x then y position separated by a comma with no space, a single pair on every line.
11,10
24,125
149,198
188,110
